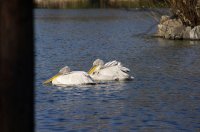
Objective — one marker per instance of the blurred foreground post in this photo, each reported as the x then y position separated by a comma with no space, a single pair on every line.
16,66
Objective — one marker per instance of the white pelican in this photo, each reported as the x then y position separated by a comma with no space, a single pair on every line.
111,71
67,77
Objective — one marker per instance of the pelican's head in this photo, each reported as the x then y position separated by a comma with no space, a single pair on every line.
97,64
64,70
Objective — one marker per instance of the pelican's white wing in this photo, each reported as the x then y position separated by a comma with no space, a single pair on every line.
111,63
112,70
73,78
118,64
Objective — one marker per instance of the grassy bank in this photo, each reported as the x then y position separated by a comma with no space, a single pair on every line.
70,4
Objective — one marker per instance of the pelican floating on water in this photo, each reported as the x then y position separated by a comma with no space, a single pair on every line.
67,77
110,71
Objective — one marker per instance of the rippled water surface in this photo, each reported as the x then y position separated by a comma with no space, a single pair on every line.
164,96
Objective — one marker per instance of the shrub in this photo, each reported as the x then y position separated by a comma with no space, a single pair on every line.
187,10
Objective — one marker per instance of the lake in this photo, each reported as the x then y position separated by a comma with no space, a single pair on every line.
164,96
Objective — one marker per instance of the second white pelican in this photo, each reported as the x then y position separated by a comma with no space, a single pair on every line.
111,71
67,77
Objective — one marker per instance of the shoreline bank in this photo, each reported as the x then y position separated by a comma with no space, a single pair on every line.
74,4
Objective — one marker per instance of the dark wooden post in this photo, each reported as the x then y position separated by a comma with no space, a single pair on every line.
16,66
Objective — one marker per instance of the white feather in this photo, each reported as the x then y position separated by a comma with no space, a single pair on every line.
112,70
111,63
73,78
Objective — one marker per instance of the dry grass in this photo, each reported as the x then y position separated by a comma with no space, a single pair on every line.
187,10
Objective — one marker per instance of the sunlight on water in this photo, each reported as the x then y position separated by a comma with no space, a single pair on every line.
164,96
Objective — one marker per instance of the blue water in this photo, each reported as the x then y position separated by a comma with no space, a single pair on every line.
163,97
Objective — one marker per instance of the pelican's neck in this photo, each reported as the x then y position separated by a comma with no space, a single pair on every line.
98,68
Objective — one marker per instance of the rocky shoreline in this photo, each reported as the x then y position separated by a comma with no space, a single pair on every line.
173,28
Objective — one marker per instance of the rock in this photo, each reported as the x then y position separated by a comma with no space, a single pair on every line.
186,33
173,23
195,33
174,29
178,32
170,28
164,18
162,29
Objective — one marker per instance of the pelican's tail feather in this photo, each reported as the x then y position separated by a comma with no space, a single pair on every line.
124,69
